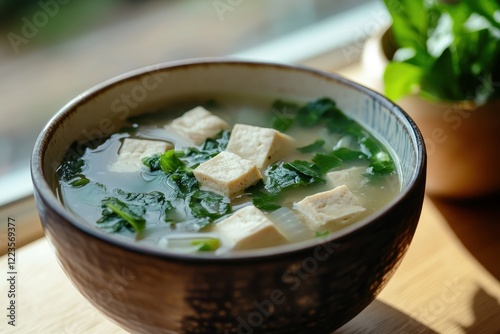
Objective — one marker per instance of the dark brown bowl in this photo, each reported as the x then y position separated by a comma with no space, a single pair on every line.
308,287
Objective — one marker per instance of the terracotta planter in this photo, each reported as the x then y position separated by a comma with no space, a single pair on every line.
462,139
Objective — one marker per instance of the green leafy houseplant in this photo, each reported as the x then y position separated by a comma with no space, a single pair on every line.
440,61
446,50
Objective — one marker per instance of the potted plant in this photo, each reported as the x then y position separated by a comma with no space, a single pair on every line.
440,60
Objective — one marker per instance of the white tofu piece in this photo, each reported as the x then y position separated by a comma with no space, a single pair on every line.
133,150
351,177
336,206
261,145
198,125
227,174
249,228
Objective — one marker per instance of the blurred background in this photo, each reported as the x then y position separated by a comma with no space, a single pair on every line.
52,50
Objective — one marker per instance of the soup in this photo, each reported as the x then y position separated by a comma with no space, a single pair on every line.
230,173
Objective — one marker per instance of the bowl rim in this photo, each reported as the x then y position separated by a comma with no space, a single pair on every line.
47,195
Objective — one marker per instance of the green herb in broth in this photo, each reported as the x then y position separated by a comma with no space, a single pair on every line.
335,158
327,161
315,112
71,168
79,181
170,163
191,156
206,244
262,199
117,215
316,146
185,202
212,146
152,162
287,175
281,122
324,111
281,177
322,234
346,154
282,111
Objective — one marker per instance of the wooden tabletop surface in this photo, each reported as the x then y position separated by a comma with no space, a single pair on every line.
441,287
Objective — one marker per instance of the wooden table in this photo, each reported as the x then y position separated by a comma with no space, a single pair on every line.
439,288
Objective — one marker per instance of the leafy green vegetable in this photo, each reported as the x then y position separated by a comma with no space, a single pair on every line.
261,198
316,146
182,203
196,209
380,160
335,158
190,157
346,154
207,244
327,161
280,177
285,107
307,169
185,202
79,181
283,115
322,234
72,166
324,111
286,175
281,123
116,215
217,144
208,204
169,162
447,51
381,164
152,162
193,156
266,201
314,112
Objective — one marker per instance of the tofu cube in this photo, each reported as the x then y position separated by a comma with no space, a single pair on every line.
351,177
133,150
261,145
227,174
336,206
198,125
249,228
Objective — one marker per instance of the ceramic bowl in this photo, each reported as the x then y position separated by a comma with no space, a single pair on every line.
311,287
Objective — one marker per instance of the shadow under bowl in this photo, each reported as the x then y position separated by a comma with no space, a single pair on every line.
308,287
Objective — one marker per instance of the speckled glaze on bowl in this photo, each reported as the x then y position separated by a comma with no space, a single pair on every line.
310,287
